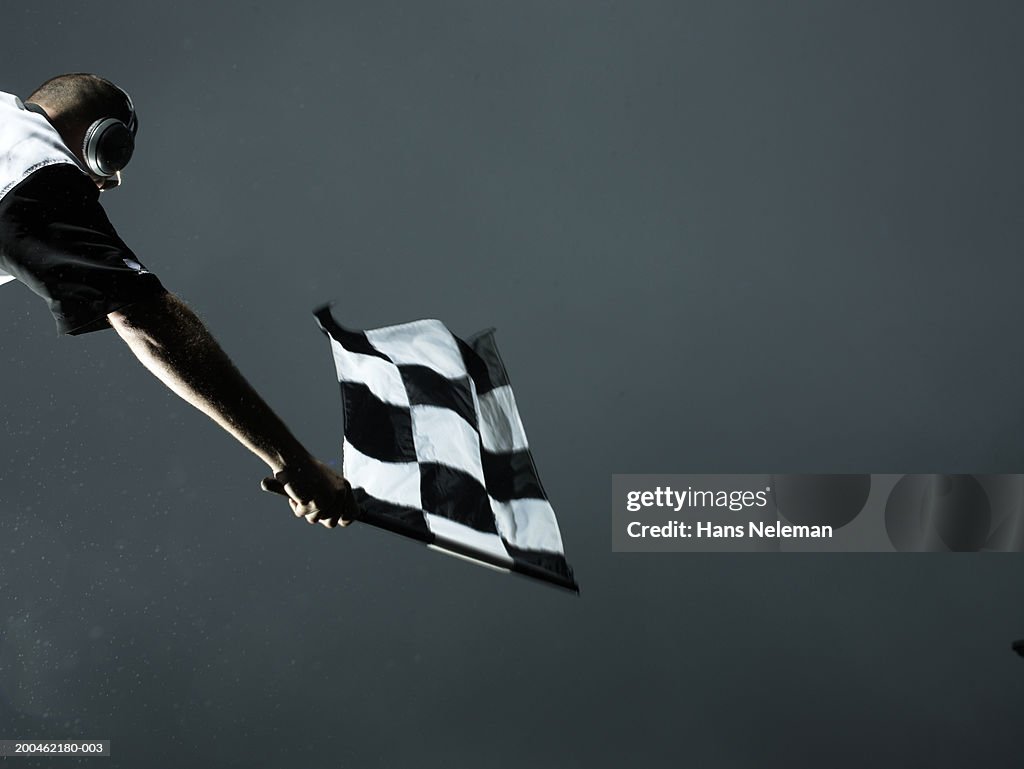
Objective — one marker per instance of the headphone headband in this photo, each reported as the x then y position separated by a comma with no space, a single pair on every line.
133,120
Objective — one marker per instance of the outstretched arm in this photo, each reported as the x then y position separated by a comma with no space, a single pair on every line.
170,341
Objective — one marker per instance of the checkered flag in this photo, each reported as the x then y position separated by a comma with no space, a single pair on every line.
434,447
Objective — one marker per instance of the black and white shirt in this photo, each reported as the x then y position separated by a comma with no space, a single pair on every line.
54,234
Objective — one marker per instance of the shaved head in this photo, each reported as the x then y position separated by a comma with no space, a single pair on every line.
74,102
81,98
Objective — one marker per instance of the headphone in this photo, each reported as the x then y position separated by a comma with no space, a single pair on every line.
109,144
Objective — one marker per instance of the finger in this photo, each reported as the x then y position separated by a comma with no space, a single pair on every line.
304,509
282,484
349,507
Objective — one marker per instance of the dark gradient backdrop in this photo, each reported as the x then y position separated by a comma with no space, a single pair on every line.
714,237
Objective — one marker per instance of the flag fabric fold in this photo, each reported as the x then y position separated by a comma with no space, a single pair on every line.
435,449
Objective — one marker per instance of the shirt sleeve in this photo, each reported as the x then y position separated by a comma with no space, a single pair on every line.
56,238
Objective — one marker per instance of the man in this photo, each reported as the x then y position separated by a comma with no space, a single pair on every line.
58,150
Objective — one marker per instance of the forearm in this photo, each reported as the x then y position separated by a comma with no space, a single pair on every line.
170,341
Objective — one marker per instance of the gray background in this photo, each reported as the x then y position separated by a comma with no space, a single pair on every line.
715,237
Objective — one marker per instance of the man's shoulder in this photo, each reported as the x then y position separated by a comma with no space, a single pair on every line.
28,143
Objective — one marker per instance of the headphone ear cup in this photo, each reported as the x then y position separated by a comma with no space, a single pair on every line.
108,146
